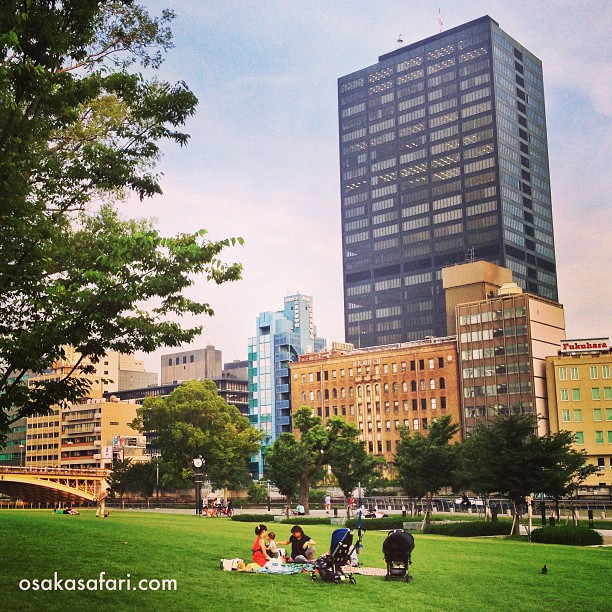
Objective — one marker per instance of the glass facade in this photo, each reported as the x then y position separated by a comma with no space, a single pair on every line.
281,337
443,159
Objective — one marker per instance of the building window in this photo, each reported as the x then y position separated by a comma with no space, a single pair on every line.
405,387
176,361
574,373
312,396
599,437
608,414
395,387
394,368
562,373
443,403
170,361
605,371
608,393
565,416
432,383
578,415
191,358
593,372
579,436
440,362
415,424
564,395
310,377
433,403
601,463
442,384
610,442
597,414
576,395
304,396
595,393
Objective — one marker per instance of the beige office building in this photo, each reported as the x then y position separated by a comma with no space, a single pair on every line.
504,337
580,400
196,364
380,389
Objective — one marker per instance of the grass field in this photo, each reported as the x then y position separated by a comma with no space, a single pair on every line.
449,574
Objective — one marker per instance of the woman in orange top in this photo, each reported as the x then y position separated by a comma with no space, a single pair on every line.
260,555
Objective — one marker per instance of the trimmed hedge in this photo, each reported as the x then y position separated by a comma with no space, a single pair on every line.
253,518
568,535
469,529
388,522
306,520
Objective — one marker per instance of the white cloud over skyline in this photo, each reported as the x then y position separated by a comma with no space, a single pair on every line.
262,162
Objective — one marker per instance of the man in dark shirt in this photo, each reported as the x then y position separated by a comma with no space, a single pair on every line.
302,546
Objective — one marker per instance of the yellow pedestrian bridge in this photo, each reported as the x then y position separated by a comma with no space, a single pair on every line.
49,485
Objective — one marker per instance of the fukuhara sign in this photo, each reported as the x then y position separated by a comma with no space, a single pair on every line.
598,345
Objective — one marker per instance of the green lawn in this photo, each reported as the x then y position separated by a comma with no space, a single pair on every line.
449,574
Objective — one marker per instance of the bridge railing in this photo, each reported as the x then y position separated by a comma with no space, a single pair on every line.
55,471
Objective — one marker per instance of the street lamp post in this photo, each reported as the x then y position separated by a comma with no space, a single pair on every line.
21,447
198,462
268,496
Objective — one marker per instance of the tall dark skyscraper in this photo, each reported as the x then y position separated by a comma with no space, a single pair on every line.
443,159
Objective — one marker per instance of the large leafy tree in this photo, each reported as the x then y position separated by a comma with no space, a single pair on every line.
81,126
319,444
195,420
425,463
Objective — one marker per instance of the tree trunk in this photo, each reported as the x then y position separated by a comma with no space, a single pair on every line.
304,490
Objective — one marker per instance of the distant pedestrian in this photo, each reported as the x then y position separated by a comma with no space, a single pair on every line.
101,511
328,503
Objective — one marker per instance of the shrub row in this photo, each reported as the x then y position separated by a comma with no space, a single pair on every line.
306,520
567,534
387,522
253,518
469,529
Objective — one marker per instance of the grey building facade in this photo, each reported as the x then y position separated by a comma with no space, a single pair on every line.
443,159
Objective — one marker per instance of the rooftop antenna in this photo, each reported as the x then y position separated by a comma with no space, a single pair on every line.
440,23
400,40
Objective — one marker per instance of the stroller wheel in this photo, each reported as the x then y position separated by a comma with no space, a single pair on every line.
313,577
387,577
352,580
336,580
408,578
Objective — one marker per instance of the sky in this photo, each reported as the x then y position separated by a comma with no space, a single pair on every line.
262,161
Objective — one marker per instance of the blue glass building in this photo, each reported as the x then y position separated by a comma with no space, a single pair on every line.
281,337
443,159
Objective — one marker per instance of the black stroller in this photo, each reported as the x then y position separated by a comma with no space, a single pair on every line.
397,549
329,567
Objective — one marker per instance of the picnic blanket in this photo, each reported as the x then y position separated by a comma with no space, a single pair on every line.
276,567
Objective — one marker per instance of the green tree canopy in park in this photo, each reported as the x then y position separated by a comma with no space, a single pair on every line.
294,464
195,420
425,463
81,127
507,457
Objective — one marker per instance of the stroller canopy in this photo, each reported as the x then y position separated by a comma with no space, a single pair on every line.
398,546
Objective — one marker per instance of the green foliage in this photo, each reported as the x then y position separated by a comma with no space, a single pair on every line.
195,420
291,461
468,529
284,461
317,495
79,125
387,522
307,520
568,535
257,493
425,464
266,519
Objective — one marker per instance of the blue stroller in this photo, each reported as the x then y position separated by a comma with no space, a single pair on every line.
329,567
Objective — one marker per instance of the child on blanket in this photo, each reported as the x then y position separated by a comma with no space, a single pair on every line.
271,546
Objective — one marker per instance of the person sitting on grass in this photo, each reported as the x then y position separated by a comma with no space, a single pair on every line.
302,546
260,554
